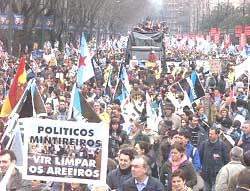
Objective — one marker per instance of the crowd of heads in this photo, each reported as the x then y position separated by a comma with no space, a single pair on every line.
219,112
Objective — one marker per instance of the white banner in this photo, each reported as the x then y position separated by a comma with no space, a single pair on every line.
65,151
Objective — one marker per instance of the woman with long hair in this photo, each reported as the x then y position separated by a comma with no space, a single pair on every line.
117,137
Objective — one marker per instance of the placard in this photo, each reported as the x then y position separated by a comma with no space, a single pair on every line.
65,151
215,66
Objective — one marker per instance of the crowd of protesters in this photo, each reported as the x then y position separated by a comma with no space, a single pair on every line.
205,146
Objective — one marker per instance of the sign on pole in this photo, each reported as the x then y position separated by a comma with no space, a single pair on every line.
65,151
214,66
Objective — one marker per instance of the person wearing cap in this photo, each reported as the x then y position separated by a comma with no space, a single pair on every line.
169,115
230,169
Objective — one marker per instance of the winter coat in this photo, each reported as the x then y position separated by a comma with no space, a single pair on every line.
193,156
202,135
152,184
115,140
213,156
116,178
188,170
246,143
226,173
17,183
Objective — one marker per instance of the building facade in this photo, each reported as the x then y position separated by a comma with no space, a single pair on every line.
185,16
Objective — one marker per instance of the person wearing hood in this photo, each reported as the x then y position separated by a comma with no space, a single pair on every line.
177,160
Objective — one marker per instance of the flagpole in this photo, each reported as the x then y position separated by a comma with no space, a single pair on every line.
248,83
13,117
231,96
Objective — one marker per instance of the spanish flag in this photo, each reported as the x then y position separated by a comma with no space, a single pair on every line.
16,89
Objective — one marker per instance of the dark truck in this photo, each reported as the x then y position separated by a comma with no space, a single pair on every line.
140,45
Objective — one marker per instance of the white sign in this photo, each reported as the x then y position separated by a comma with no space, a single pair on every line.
65,151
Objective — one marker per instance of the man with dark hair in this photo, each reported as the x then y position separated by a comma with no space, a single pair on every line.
11,174
117,176
141,179
198,133
193,156
62,113
191,151
169,115
49,110
213,155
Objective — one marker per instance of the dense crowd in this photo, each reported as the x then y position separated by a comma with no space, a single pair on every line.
204,145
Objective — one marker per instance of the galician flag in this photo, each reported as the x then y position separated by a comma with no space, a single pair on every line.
85,68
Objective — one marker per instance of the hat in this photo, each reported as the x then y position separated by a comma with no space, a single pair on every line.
226,123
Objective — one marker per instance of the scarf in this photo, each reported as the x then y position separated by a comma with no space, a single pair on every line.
176,164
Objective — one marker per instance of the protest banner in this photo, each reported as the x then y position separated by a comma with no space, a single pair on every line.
65,151
215,66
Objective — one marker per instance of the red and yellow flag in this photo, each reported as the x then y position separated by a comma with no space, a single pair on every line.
16,89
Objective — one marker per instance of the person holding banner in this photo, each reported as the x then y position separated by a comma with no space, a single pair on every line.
11,177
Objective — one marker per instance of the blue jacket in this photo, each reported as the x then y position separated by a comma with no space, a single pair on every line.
193,156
